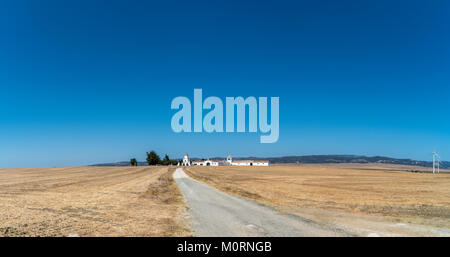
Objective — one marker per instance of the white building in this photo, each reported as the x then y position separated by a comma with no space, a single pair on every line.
247,162
207,163
186,161
229,161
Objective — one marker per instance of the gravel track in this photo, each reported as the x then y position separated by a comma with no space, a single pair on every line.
214,213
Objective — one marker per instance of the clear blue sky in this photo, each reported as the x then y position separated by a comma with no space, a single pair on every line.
85,82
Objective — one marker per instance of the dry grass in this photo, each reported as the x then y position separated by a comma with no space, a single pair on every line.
90,201
406,196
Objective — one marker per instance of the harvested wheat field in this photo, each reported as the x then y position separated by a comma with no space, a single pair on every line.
353,198
90,201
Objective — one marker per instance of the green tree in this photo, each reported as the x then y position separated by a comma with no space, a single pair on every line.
133,162
153,158
166,160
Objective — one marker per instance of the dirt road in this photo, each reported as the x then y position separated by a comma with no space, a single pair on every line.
214,213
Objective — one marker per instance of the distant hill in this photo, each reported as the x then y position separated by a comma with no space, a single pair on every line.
317,159
348,159
119,164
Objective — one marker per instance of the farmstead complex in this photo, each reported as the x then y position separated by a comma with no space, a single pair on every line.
228,162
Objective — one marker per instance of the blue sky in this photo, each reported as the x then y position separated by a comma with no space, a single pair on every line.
84,82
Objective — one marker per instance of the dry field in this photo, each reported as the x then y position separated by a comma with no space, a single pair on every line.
90,201
326,193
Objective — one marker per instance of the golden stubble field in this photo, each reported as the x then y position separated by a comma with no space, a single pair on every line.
90,201
402,196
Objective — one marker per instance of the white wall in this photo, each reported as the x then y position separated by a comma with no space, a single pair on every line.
260,164
205,163
250,163
212,163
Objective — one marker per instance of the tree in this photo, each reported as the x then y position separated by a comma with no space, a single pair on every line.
133,162
166,160
153,158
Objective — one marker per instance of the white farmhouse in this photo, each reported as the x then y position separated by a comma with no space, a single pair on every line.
210,163
246,162
229,162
